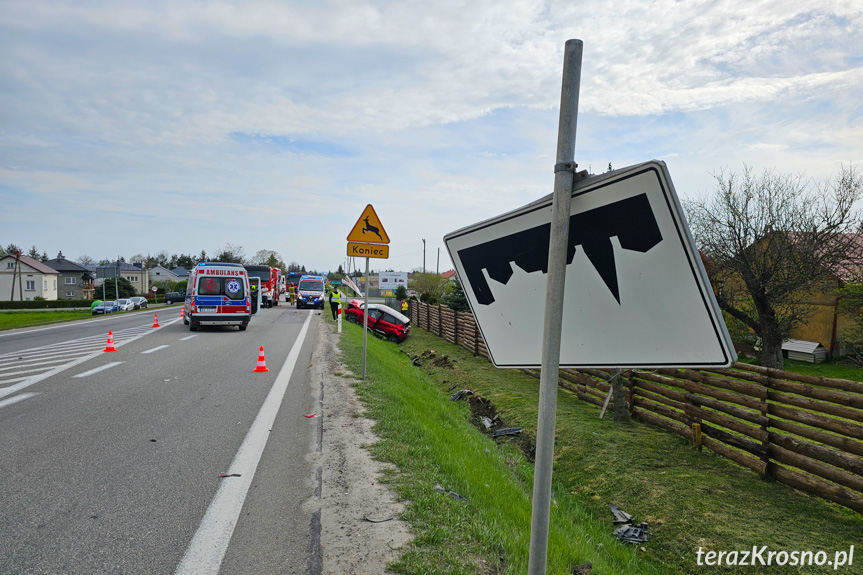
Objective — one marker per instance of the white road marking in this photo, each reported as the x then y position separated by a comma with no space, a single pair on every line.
98,369
157,348
16,399
207,548
97,345
188,337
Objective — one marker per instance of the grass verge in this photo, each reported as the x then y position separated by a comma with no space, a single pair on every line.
431,441
18,319
691,499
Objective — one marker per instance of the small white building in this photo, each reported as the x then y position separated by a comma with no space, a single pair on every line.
27,280
803,350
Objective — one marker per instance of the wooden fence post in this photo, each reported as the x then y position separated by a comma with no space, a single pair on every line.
455,316
765,413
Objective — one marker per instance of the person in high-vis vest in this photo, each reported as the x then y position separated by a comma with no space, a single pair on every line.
405,306
335,300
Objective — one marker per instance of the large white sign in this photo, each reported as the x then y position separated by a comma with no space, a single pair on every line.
636,295
392,280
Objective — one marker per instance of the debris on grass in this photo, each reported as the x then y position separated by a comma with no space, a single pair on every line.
453,494
626,531
508,431
458,395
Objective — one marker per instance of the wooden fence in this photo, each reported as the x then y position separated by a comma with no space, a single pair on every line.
804,431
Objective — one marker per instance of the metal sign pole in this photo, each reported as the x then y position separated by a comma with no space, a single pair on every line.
366,319
563,181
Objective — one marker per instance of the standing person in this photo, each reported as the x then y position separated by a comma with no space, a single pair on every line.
405,306
335,300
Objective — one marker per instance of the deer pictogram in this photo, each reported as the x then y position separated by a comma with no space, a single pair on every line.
371,228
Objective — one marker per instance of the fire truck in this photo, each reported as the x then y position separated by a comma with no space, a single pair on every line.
269,283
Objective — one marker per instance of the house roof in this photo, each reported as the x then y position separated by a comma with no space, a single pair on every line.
122,266
180,271
35,264
61,264
449,274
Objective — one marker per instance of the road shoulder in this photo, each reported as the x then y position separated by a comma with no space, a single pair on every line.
356,535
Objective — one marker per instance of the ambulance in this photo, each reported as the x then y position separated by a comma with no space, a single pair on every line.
218,294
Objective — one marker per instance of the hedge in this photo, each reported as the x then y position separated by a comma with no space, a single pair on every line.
55,304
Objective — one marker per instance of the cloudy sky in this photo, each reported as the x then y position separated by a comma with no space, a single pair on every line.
188,125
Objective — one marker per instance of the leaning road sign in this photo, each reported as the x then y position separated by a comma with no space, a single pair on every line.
636,291
369,229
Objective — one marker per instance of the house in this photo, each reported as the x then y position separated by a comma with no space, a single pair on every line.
824,323
136,275
181,273
26,279
75,281
161,276
450,275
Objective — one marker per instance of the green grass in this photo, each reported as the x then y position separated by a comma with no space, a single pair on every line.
691,499
430,440
27,318
836,368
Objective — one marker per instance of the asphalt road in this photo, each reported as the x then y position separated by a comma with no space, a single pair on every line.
111,462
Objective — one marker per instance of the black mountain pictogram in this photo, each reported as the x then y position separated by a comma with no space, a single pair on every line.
631,220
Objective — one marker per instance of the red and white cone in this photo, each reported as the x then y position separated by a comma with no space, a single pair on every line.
183,312
262,363
110,346
156,320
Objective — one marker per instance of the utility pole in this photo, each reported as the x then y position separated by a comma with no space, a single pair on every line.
424,256
438,261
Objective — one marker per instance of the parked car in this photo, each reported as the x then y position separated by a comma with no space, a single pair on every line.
105,307
125,304
139,302
383,320
174,297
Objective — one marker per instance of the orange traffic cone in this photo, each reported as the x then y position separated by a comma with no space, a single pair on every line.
183,312
156,320
110,346
262,363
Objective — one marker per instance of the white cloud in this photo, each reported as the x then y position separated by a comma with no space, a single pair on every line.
445,108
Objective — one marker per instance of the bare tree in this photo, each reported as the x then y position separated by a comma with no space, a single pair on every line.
772,240
86,261
232,254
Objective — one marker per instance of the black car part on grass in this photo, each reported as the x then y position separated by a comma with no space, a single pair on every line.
625,530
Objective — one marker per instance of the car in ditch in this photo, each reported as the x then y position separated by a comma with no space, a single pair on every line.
383,320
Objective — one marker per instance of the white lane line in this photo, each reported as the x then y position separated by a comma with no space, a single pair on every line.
17,398
188,337
157,348
98,369
207,549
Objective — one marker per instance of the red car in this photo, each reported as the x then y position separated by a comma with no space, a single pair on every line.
383,320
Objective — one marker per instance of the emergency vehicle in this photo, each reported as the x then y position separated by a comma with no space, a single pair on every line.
310,292
218,294
269,283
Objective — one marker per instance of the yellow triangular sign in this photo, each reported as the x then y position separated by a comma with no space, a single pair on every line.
369,229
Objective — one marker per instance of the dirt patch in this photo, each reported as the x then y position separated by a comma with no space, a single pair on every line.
432,358
485,417
360,530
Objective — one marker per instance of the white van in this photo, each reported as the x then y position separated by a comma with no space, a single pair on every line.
218,294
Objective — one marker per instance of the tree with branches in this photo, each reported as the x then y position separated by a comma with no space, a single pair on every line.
772,240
